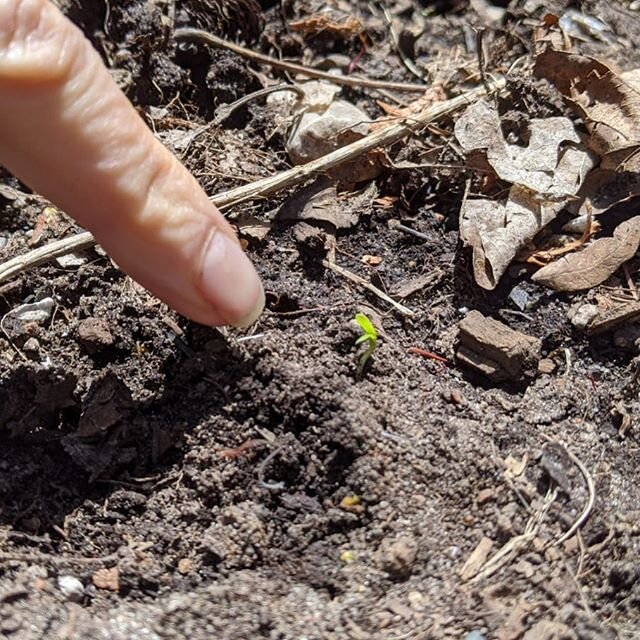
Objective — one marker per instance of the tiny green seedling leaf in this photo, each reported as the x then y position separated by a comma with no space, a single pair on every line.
369,336
367,326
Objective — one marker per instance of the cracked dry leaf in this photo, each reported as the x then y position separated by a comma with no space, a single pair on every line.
594,264
545,175
319,202
546,165
608,102
606,190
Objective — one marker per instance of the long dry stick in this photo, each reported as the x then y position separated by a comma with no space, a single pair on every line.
268,186
380,138
196,35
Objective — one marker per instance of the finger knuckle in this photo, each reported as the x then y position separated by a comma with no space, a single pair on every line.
32,39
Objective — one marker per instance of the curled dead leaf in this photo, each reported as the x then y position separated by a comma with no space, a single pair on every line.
595,263
545,175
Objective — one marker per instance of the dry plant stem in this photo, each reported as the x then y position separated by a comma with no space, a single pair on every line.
395,38
226,110
48,252
268,186
582,518
400,308
197,35
518,543
379,138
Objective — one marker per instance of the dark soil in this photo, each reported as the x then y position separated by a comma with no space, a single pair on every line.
354,502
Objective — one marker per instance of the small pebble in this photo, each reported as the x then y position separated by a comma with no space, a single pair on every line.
71,588
519,297
546,365
582,314
475,635
31,345
397,556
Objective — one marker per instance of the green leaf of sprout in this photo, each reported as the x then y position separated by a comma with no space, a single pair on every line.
367,326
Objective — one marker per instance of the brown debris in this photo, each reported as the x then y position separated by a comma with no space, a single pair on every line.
107,579
397,556
613,318
609,104
495,350
345,27
546,174
94,333
548,630
106,403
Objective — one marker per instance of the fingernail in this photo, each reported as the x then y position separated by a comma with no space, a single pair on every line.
230,282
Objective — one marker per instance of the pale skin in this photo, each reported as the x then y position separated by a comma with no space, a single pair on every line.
68,132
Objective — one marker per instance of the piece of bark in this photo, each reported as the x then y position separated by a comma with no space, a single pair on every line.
613,318
495,350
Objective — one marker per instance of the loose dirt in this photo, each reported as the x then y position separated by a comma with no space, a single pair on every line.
160,479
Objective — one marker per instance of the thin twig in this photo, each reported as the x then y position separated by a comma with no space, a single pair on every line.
48,252
271,486
395,38
397,226
224,111
400,308
518,543
198,35
272,184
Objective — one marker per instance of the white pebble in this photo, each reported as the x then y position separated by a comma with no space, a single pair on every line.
71,588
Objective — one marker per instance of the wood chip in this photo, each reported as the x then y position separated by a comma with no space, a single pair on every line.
495,350
477,559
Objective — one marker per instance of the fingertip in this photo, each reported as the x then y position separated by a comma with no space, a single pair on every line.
229,282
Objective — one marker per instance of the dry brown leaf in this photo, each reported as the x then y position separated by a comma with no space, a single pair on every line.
319,202
546,175
431,96
252,227
609,103
497,231
595,263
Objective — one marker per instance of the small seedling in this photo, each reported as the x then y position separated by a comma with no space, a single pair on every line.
369,337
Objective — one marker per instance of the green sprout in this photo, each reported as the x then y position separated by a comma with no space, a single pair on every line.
369,337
